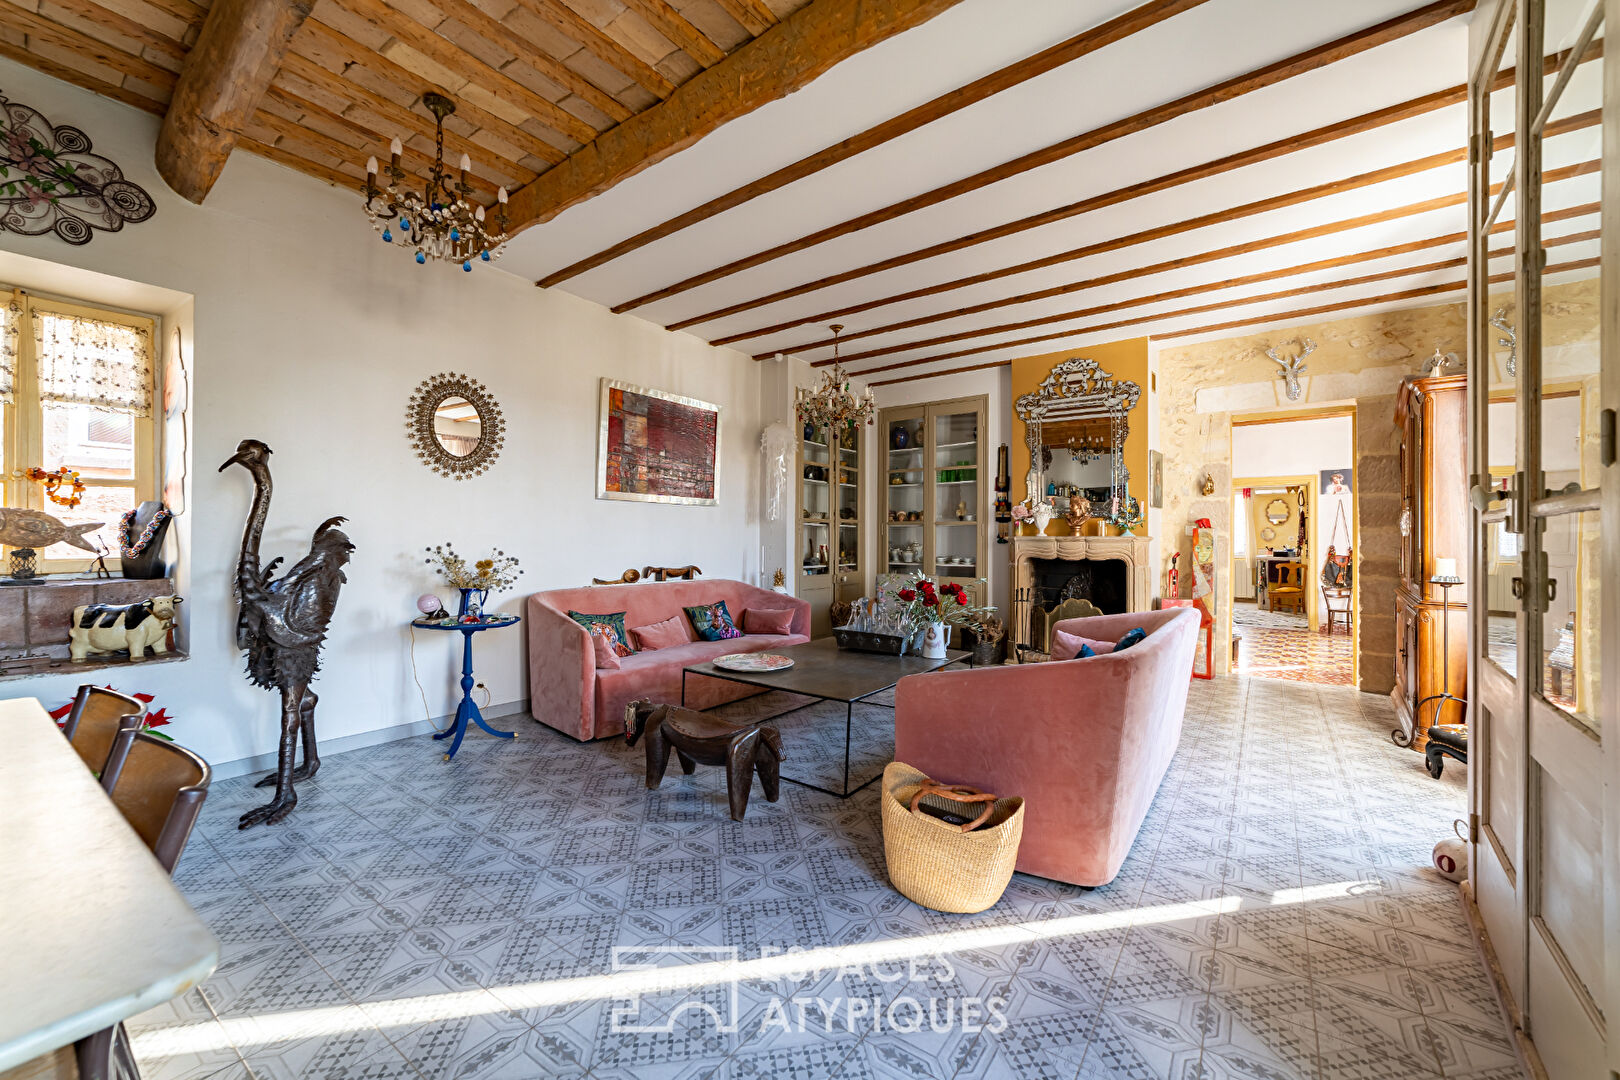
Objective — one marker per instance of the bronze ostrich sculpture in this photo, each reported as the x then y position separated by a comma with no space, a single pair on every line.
281,624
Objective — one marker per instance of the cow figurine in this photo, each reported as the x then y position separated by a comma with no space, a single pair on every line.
106,628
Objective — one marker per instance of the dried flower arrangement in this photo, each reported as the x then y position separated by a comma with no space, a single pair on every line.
497,572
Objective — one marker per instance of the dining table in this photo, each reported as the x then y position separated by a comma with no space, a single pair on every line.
92,931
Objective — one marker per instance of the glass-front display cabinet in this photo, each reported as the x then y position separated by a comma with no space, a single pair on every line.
937,497
829,528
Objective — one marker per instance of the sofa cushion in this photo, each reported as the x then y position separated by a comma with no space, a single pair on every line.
768,621
1132,637
1067,646
614,621
675,630
712,622
606,646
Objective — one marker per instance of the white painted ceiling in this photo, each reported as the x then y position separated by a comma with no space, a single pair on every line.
1186,53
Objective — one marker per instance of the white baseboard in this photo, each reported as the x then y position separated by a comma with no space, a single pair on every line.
361,739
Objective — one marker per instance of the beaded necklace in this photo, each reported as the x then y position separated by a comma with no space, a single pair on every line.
132,548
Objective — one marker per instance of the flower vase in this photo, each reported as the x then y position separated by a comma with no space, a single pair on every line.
1043,517
472,603
935,637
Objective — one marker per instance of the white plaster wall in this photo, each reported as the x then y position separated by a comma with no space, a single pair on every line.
311,334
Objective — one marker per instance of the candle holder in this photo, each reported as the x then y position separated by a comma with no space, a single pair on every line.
24,569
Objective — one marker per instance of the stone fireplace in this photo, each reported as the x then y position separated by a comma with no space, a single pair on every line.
1110,571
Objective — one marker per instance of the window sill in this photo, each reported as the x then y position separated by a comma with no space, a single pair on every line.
33,666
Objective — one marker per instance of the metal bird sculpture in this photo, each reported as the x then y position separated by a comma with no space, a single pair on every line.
1293,367
281,624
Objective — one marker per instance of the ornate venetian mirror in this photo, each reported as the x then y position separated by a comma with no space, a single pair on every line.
1276,511
455,426
1075,424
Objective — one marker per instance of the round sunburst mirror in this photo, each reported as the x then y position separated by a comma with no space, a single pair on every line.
455,425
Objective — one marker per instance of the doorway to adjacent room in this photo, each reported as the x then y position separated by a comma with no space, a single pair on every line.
1293,535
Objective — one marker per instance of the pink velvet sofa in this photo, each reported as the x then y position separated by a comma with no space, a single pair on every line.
567,692
1086,742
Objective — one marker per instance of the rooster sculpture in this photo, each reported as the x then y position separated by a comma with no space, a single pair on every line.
281,624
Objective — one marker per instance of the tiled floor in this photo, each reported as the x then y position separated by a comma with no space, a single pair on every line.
1276,918
1281,645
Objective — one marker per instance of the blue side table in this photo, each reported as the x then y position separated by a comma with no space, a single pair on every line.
467,709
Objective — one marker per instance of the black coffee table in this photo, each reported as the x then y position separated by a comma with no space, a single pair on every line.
823,671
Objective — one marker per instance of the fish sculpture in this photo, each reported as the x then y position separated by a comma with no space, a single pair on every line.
37,529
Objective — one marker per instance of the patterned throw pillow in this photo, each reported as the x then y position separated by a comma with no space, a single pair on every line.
614,622
1085,651
712,622
1132,637
607,649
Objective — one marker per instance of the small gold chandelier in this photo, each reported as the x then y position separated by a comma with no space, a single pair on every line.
834,404
441,221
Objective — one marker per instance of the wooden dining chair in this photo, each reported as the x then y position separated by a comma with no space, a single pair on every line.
1290,588
159,787
94,721
1336,605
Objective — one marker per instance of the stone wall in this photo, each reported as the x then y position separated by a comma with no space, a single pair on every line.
34,619
1378,540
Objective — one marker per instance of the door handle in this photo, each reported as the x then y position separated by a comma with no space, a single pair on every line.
1518,588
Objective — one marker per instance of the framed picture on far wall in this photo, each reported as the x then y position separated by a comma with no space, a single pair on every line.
1156,479
656,447
1336,482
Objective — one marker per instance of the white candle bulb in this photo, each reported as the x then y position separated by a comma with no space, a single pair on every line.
500,195
395,148
371,166
466,163
478,213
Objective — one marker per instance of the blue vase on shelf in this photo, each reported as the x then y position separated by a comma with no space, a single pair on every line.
472,602
898,439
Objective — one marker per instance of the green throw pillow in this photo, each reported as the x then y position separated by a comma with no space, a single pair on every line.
614,622
712,622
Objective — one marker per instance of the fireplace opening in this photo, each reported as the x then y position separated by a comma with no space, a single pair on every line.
1102,581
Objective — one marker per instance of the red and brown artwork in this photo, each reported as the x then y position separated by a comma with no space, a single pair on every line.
656,447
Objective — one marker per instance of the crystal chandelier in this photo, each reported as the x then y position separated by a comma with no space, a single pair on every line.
834,404
441,221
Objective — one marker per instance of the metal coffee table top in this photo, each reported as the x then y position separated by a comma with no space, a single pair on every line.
821,669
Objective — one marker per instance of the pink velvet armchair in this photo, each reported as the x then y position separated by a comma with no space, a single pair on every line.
1086,742
567,692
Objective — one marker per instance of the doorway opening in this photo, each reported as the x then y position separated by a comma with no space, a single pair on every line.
1293,558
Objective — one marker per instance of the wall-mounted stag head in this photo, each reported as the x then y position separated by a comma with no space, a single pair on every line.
1293,367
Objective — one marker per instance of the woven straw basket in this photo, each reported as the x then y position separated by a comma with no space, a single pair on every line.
936,864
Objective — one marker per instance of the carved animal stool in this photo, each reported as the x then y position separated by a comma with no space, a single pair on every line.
697,739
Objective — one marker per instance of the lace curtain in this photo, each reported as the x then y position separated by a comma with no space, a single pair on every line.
10,316
92,362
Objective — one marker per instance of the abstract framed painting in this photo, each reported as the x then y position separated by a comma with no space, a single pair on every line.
657,447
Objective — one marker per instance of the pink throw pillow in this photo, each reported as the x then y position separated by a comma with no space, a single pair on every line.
607,655
1066,646
661,635
768,621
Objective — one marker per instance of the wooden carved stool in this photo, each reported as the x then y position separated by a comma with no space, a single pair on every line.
698,739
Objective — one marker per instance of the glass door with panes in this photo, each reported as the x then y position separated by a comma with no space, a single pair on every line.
1544,386
849,579
959,482
816,510
904,433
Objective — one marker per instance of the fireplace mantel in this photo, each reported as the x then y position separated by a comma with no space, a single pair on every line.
1131,550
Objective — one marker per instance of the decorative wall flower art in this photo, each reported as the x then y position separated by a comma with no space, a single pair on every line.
50,182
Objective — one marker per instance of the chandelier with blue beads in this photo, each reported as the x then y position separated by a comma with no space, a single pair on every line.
441,221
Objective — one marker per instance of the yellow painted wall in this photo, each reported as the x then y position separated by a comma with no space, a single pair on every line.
1125,361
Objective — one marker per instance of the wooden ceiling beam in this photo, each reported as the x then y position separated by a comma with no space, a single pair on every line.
1260,206
566,21
116,23
1322,309
1328,133
187,11
787,57
79,78
220,88
1321,56
353,53
89,48
447,54
673,25
752,15
1132,22
475,19
1249,279
282,156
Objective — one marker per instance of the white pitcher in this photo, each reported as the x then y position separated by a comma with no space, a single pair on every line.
935,637
1043,516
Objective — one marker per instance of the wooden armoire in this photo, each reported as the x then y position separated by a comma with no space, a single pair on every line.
1430,656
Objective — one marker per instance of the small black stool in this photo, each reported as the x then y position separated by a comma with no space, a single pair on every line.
1445,740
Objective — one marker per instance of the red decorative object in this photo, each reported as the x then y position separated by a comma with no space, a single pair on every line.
55,479
155,718
656,447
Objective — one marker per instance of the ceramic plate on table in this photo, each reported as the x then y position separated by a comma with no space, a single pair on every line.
753,661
